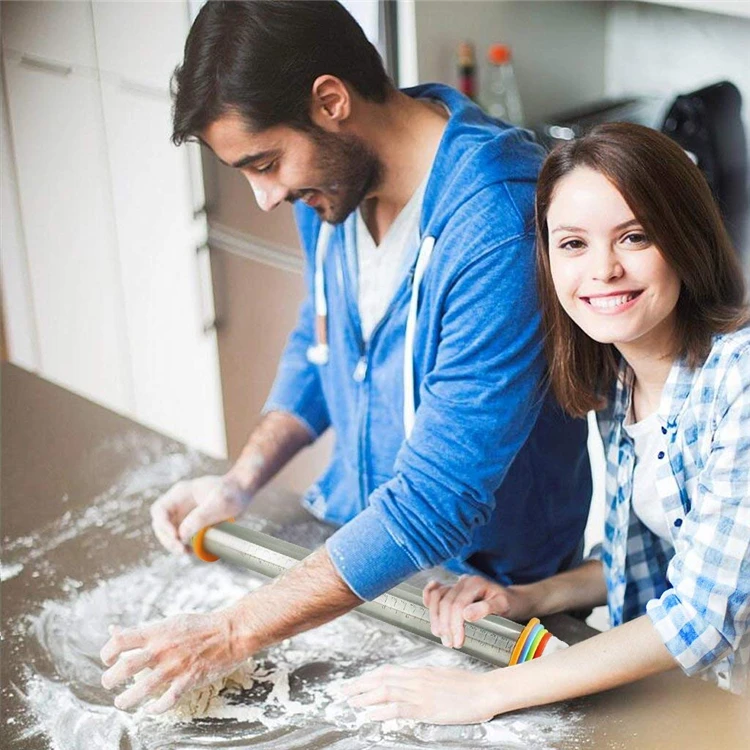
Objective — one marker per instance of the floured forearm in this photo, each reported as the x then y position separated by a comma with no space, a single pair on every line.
274,442
309,594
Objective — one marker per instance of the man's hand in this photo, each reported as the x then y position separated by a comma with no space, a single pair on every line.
190,651
437,696
471,599
180,653
193,504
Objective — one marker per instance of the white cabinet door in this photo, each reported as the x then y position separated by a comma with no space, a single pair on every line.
66,208
143,41
61,32
174,361
18,308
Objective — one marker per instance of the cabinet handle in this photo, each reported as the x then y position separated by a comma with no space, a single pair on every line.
205,289
46,65
134,87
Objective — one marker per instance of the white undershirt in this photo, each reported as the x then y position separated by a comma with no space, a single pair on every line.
648,442
381,267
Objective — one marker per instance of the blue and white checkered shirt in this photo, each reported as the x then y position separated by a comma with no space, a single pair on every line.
695,587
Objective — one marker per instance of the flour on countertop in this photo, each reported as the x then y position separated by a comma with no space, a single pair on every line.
120,509
288,697
293,687
9,571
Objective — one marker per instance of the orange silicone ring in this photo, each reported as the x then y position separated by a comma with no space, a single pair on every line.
198,548
542,644
522,640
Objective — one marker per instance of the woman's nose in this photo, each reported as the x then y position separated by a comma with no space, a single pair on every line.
606,265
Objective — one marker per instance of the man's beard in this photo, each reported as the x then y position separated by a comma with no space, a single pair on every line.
349,170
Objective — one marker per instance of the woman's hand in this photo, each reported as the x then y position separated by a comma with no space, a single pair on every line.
447,696
436,696
471,599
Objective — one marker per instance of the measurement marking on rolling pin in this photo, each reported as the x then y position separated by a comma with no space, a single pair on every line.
494,640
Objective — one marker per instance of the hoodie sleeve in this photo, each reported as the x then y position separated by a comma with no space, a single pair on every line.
476,409
297,388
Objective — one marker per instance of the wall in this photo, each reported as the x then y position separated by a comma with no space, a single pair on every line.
652,49
558,47
256,306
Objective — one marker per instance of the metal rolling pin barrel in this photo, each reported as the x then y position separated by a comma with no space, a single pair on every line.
495,640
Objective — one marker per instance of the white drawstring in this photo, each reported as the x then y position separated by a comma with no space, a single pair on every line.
319,353
425,251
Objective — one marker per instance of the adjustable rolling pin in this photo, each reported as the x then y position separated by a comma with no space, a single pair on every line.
493,639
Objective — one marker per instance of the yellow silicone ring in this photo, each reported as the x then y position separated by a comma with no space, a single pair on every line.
522,640
198,548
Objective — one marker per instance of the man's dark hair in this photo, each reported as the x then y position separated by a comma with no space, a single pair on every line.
259,58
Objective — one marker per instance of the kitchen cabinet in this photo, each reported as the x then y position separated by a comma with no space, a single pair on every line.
54,31
60,151
110,212
167,302
141,42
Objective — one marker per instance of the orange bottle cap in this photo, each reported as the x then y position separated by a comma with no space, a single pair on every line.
499,54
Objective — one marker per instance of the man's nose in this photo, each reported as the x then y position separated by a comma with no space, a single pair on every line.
268,195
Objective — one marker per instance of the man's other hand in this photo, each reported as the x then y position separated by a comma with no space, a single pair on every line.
193,504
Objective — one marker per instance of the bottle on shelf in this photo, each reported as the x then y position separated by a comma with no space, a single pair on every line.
501,98
467,69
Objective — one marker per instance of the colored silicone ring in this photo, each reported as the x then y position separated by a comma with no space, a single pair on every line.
527,646
530,625
542,644
535,644
199,549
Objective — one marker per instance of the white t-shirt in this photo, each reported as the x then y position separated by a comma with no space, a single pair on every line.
381,267
648,442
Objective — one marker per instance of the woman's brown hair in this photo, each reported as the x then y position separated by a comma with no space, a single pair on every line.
672,201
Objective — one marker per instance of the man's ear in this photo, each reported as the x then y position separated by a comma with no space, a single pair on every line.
330,103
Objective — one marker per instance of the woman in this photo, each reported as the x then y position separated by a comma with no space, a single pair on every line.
643,306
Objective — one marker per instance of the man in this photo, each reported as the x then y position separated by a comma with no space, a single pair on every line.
418,342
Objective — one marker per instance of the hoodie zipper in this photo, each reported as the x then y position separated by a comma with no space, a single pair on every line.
362,369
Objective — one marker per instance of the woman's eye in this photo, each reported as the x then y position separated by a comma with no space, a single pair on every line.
572,245
636,238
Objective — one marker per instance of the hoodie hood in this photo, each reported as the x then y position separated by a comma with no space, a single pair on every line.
471,156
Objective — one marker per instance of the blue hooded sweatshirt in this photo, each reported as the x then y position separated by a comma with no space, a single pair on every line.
493,477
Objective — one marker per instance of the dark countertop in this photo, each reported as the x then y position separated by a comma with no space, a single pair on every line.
63,463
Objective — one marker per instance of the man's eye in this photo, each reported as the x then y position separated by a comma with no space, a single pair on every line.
266,167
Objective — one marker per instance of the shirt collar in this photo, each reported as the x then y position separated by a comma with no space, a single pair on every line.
676,390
